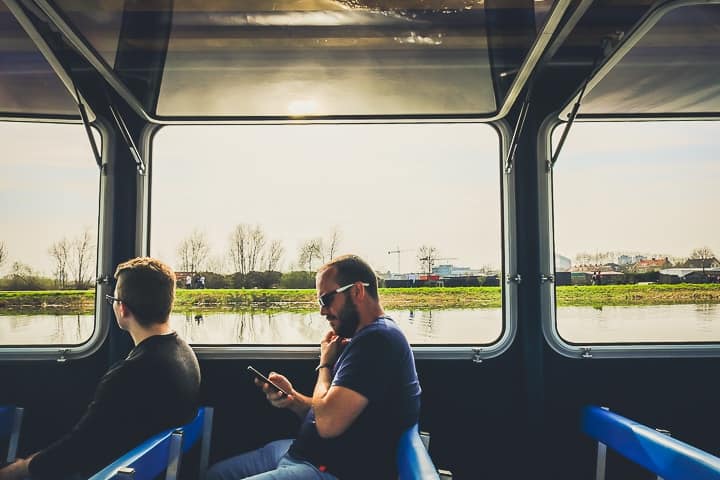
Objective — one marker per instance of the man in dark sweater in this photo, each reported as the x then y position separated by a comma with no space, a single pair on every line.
156,387
366,394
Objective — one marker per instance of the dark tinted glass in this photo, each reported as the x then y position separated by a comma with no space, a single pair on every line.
322,58
674,68
28,85
98,22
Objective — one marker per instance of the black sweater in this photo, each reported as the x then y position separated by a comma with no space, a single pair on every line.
155,388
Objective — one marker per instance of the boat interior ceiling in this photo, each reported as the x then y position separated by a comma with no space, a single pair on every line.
211,60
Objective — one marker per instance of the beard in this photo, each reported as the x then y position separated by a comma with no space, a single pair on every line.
348,320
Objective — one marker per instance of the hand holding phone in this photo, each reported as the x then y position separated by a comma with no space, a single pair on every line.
264,379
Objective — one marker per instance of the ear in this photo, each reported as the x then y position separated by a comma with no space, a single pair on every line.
359,292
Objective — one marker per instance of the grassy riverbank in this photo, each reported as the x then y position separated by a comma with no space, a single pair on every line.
393,298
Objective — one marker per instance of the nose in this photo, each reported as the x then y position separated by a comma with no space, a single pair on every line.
324,310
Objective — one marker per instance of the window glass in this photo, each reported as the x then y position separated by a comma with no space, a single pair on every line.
637,247
49,193
246,214
300,58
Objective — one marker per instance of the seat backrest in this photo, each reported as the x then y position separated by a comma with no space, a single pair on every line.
665,456
10,423
413,460
199,429
163,452
148,460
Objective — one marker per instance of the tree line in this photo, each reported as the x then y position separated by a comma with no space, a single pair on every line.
73,261
254,259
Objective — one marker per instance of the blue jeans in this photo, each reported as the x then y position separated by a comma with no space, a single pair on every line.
271,462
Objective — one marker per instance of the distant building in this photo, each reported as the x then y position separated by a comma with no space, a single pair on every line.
453,271
690,275
651,265
626,260
701,262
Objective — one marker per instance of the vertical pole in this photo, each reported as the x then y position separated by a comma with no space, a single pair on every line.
601,461
174,456
205,443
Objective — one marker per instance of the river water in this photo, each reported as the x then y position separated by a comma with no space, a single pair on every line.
656,323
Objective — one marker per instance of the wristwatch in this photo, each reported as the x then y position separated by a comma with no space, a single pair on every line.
322,365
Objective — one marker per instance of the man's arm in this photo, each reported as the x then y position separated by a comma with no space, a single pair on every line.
336,408
79,447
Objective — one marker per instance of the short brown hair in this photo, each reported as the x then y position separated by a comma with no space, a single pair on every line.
147,287
351,268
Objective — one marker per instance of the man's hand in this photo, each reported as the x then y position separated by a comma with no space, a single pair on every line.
296,401
16,471
330,348
276,398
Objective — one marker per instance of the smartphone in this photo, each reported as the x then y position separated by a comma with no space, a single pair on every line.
264,379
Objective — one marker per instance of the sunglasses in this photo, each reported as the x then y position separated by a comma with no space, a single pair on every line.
326,300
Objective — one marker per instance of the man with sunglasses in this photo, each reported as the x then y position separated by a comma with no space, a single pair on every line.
366,393
155,388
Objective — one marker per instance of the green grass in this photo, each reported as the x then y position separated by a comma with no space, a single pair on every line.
392,298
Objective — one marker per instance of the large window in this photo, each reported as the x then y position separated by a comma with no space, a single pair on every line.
246,214
637,242
48,222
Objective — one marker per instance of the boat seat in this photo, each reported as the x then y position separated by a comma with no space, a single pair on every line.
667,457
163,452
413,460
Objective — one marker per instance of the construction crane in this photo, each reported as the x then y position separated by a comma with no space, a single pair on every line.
397,252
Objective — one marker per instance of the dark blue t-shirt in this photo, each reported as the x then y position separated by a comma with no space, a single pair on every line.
377,363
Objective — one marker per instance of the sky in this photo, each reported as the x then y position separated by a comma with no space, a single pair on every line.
649,188
645,188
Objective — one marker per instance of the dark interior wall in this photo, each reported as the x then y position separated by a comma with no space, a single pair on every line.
676,394
474,412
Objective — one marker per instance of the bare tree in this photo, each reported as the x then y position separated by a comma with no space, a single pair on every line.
193,252
334,243
3,253
427,255
239,248
60,253
274,253
216,264
82,255
23,277
256,244
704,254
309,251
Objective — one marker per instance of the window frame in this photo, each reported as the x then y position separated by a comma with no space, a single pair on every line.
445,352
548,301
62,353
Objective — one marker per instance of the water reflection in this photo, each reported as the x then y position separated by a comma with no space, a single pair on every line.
648,323
257,327
658,323
66,329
